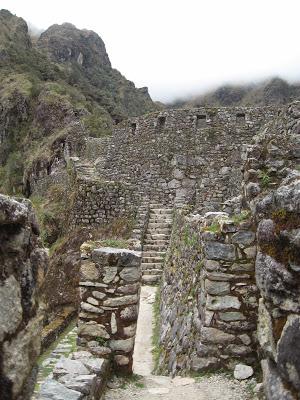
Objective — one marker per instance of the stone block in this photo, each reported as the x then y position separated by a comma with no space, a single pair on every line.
203,363
91,328
125,345
231,316
120,301
130,274
109,256
217,288
213,335
244,238
88,271
219,251
67,366
53,390
217,303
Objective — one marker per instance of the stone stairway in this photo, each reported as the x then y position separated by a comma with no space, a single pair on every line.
156,242
138,232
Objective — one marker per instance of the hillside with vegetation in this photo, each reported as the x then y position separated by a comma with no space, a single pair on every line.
59,84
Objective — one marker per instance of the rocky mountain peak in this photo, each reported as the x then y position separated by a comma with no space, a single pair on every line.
65,43
13,30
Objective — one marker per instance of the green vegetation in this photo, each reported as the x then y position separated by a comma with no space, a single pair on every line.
265,179
199,266
41,98
214,227
189,238
134,379
51,212
102,341
118,243
238,218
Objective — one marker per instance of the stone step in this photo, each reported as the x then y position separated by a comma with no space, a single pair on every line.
160,221
153,271
159,225
158,242
153,253
147,266
157,236
152,259
154,247
158,207
151,279
154,231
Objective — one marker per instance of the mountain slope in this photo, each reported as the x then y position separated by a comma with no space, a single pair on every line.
60,85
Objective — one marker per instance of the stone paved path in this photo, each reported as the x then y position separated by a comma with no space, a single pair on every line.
146,386
63,346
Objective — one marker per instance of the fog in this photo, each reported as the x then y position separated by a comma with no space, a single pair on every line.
179,48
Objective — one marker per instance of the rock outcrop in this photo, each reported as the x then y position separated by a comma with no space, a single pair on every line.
272,190
23,266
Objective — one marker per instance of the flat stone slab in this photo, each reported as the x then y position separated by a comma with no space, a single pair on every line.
159,391
178,381
53,390
67,366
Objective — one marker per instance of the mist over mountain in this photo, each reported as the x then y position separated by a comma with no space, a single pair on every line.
274,91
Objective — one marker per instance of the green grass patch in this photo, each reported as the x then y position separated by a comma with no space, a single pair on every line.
265,179
238,218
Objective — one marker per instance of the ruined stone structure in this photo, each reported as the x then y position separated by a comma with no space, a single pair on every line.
227,182
109,290
210,271
23,264
174,157
209,297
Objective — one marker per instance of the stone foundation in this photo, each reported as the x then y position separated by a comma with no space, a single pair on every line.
109,291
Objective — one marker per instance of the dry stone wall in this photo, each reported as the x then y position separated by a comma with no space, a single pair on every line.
99,202
109,291
186,156
272,191
209,297
23,263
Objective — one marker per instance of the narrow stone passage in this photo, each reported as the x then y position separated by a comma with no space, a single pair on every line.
63,346
142,356
146,386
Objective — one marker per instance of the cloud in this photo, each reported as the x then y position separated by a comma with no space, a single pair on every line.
180,47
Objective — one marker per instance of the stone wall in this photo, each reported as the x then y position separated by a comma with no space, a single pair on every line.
23,263
109,290
186,156
99,202
209,296
272,191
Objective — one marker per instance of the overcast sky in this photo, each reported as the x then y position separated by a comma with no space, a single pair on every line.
183,47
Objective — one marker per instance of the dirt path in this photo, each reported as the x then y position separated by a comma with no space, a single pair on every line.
151,387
